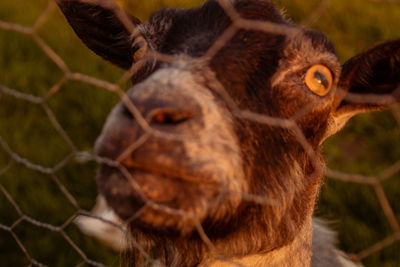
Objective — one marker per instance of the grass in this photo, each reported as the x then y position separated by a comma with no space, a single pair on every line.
368,145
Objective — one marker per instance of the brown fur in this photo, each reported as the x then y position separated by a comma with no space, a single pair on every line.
203,176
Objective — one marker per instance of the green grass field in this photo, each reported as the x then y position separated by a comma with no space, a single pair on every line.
368,145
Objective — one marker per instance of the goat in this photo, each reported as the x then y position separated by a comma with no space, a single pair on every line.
234,186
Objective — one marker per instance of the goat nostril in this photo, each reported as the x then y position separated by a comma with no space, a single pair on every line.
169,116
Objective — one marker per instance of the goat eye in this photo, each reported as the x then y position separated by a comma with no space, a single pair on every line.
139,48
319,80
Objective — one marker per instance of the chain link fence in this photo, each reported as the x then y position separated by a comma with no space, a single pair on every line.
13,159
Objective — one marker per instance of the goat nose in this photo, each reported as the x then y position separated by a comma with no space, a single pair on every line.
169,116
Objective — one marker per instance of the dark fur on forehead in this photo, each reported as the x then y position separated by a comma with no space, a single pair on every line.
320,41
193,31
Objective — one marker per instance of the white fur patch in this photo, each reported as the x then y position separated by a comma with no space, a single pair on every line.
110,235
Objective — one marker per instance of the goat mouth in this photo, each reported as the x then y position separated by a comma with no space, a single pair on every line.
129,191
189,174
155,187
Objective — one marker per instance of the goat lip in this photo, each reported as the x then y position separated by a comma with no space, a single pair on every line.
181,173
171,174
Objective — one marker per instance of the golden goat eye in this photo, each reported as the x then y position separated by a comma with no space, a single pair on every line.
319,80
139,48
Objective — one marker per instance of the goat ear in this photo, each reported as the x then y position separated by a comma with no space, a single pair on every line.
369,81
101,30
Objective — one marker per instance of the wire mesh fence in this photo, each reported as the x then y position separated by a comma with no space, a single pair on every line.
75,154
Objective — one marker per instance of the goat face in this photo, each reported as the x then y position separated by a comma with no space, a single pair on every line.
206,162
184,172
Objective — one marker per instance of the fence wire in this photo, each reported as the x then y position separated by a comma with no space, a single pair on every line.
238,23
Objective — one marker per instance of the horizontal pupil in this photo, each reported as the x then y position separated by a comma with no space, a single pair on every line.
136,48
321,79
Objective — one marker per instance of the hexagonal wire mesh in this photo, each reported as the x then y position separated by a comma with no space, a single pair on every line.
117,88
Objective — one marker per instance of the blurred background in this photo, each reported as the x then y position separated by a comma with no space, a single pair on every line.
369,145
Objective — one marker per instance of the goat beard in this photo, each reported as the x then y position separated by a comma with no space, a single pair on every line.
251,229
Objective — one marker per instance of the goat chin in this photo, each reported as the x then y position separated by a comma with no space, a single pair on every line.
323,240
